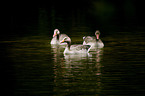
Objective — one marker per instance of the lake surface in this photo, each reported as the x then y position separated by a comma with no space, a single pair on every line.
36,68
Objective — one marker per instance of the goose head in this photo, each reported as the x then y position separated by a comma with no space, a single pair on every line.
84,37
97,33
56,32
66,40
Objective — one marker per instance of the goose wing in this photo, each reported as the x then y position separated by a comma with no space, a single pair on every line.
89,39
80,47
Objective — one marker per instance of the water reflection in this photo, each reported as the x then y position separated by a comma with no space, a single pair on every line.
77,74
76,58
57,52
40,68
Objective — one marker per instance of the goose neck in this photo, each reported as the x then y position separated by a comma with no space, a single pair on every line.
57,36
97,36
68,44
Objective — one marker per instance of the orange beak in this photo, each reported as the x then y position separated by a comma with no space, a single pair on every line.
62,41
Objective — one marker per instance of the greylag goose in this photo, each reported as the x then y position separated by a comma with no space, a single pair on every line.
57,37
75,49
95,42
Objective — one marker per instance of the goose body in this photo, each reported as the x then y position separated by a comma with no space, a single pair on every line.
57,37
75,49
95,42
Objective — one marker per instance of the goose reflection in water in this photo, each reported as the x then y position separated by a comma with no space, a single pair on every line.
73,72
57,52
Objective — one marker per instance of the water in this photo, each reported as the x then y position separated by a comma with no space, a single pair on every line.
38,69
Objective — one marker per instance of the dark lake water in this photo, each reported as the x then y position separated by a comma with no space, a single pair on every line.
35,68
